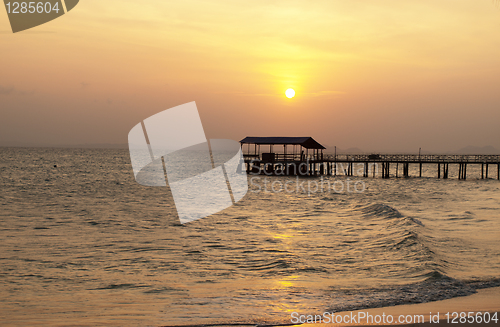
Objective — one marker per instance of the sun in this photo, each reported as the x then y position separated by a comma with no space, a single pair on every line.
290,93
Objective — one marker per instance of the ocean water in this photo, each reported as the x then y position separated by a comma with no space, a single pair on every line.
82,244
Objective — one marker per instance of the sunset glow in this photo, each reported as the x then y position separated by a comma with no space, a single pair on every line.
107,64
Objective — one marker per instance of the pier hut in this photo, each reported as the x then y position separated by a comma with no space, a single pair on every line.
282,155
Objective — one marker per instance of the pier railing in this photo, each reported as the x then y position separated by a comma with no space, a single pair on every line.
425,158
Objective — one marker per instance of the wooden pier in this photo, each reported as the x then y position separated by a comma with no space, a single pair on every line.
303,156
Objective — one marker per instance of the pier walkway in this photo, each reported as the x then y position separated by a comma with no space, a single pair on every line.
304,156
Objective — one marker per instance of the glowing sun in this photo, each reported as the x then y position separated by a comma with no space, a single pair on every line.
290,93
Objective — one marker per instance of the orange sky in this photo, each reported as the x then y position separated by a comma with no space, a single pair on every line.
378,75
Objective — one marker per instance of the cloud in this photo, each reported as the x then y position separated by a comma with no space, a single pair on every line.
303,94
321,93
6,90
10,90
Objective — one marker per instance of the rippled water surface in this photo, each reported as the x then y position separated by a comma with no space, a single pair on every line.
83,244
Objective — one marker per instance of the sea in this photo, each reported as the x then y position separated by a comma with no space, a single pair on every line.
83,244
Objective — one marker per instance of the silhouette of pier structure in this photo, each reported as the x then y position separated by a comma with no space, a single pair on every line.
303,156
